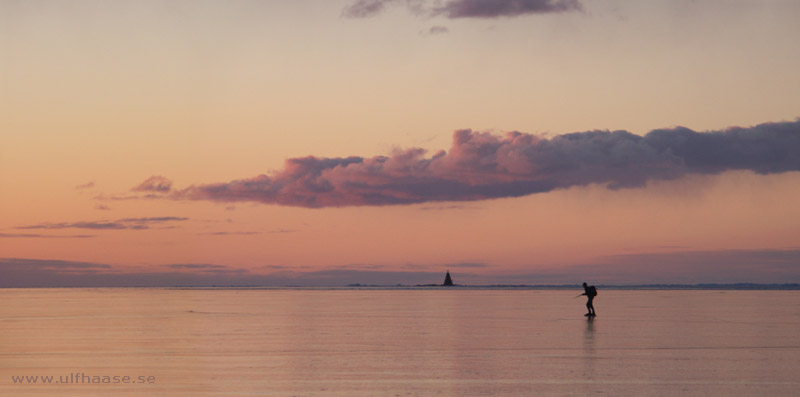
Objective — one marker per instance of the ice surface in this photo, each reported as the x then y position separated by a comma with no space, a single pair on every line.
447,342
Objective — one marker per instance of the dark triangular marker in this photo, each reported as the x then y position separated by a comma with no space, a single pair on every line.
448,282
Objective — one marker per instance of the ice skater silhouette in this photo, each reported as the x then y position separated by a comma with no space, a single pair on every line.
590,291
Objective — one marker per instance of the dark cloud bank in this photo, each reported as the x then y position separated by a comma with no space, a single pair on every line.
463,8
483,166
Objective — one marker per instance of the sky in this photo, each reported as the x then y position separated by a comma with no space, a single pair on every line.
334,142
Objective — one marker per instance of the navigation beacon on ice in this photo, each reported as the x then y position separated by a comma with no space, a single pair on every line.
448,282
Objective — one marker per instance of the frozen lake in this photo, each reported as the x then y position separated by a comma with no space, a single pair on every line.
448,342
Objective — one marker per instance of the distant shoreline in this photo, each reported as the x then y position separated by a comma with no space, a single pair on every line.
356,286
709,286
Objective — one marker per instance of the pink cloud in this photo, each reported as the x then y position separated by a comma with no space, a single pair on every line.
483,166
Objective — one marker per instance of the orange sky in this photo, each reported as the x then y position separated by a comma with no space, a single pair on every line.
96,97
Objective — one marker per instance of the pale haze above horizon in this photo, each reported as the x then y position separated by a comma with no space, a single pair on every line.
309,142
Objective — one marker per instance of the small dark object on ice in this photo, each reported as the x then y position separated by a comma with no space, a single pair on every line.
448,282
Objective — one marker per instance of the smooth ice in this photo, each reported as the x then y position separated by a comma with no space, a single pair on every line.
447,342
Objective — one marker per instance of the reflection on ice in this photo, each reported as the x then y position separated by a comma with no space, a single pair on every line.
422,342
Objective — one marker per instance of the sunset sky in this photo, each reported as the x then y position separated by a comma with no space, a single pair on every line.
331,142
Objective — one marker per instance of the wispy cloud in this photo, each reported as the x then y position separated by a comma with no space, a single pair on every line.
127,197
463,8
124,223
504,8
447,208
194,266
688,267
36,235
276,267
206,268
59,273
153,219
282,231
16,272
483,166
154,187
230,233
248,233
467,264
365,8
441,267
55,264
434,30
98,225
156,184
87,185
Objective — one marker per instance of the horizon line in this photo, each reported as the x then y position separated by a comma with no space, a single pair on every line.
654,286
